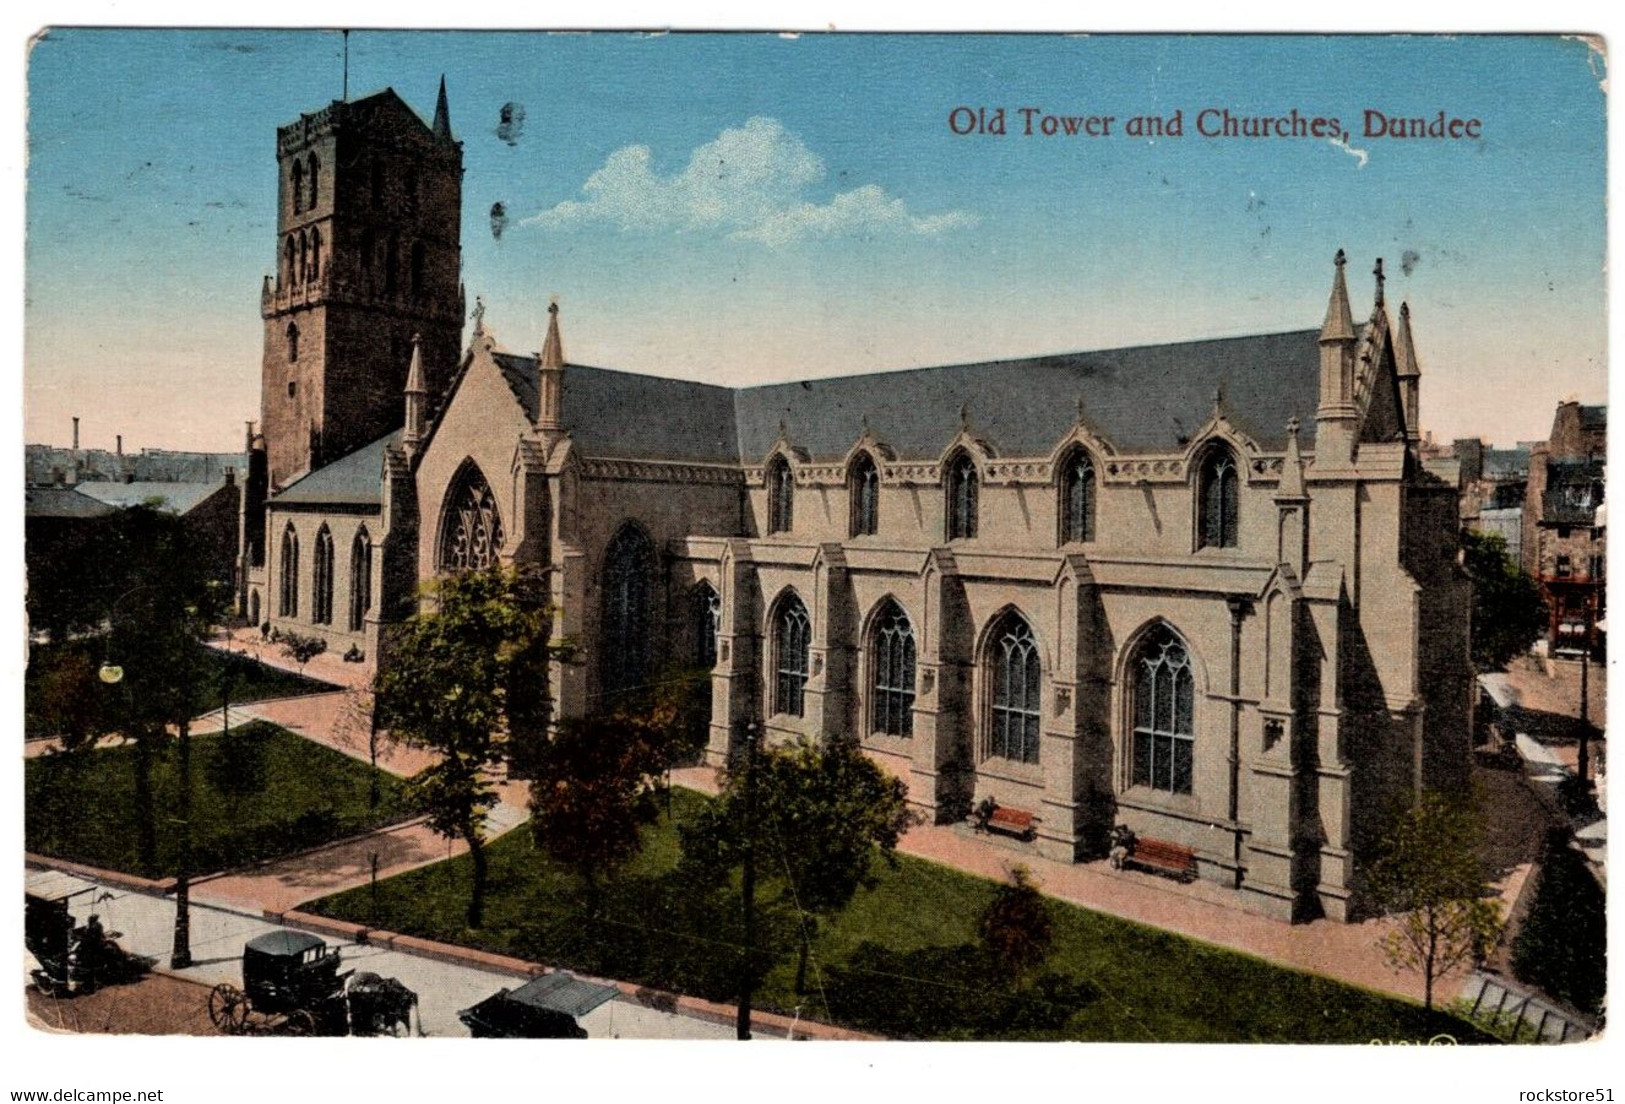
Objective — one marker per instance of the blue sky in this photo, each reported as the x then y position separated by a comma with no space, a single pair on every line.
850,229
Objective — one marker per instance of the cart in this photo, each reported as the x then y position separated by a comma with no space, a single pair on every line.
72,958
292,985
546,1008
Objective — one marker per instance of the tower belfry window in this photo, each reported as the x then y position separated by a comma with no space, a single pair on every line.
298,186
315,175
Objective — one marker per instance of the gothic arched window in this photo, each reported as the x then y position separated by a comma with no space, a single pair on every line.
288,588
315,253
629,564
781,495
291,263
707,611
315,176
470,525
360,580
792,644
293,342
863,491
891,652
1014,677
1217,502
392,265
298,186
1164,714
961,489
1077,498
323,582
418,254
304,257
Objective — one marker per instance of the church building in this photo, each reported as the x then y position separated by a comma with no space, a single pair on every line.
1203,589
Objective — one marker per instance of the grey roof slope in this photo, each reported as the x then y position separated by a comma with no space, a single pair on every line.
1143,399
61,502
355,480
176,498
1506,463
1594,417
613,413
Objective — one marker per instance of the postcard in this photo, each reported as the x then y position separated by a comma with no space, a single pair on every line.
777,535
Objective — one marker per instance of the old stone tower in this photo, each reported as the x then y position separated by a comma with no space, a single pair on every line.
368,257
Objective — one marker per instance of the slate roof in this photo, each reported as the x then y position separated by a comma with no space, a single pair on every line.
1587,475
623,414
356,480
176,498
1141,399
1512,463
1593,417
61,502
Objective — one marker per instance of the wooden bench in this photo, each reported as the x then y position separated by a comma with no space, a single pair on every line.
1164,856
1012,822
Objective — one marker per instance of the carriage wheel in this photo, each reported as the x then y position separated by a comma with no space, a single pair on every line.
228,1008
299,1022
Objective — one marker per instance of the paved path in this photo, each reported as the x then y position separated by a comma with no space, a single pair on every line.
1199,910
443,988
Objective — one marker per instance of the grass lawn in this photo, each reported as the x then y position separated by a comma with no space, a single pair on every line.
259,793
902,960
250,681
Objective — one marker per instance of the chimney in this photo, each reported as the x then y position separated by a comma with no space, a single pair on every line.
76,433
231,477
119,446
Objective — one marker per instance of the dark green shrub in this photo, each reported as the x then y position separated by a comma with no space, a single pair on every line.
1563,947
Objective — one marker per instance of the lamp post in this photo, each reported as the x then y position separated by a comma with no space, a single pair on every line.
112,674
747,980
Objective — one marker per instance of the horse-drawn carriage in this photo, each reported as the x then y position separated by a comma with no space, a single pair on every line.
71,958
292,986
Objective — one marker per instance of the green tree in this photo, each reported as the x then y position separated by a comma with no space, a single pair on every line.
1428,875
1509,613
1563,944
302,649
822,816
594,784
1016,928
452,686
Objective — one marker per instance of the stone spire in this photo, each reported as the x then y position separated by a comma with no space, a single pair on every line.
1381,280
416,394
1291,485
1339,325
550,374
1335,416
1409,371
442,114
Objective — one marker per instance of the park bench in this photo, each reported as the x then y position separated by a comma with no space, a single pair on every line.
1164,856
1012,822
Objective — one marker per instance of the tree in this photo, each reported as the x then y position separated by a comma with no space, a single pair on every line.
452,687
822,815
1428,874
593,787
1562,946
1509,613
1016,928
302,649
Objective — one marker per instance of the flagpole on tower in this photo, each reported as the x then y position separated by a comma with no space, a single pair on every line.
346,64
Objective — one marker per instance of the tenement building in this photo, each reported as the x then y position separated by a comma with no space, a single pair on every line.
1204,589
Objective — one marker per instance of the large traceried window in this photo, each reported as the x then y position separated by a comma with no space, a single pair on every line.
781,493
470,526
863,491
288,585
962,494
1014,677
1164,749
707,611
360,580
891,687
1218,501
792,645
323,582
1077,498
628,569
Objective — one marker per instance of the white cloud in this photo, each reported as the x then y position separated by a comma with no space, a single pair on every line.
749,183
